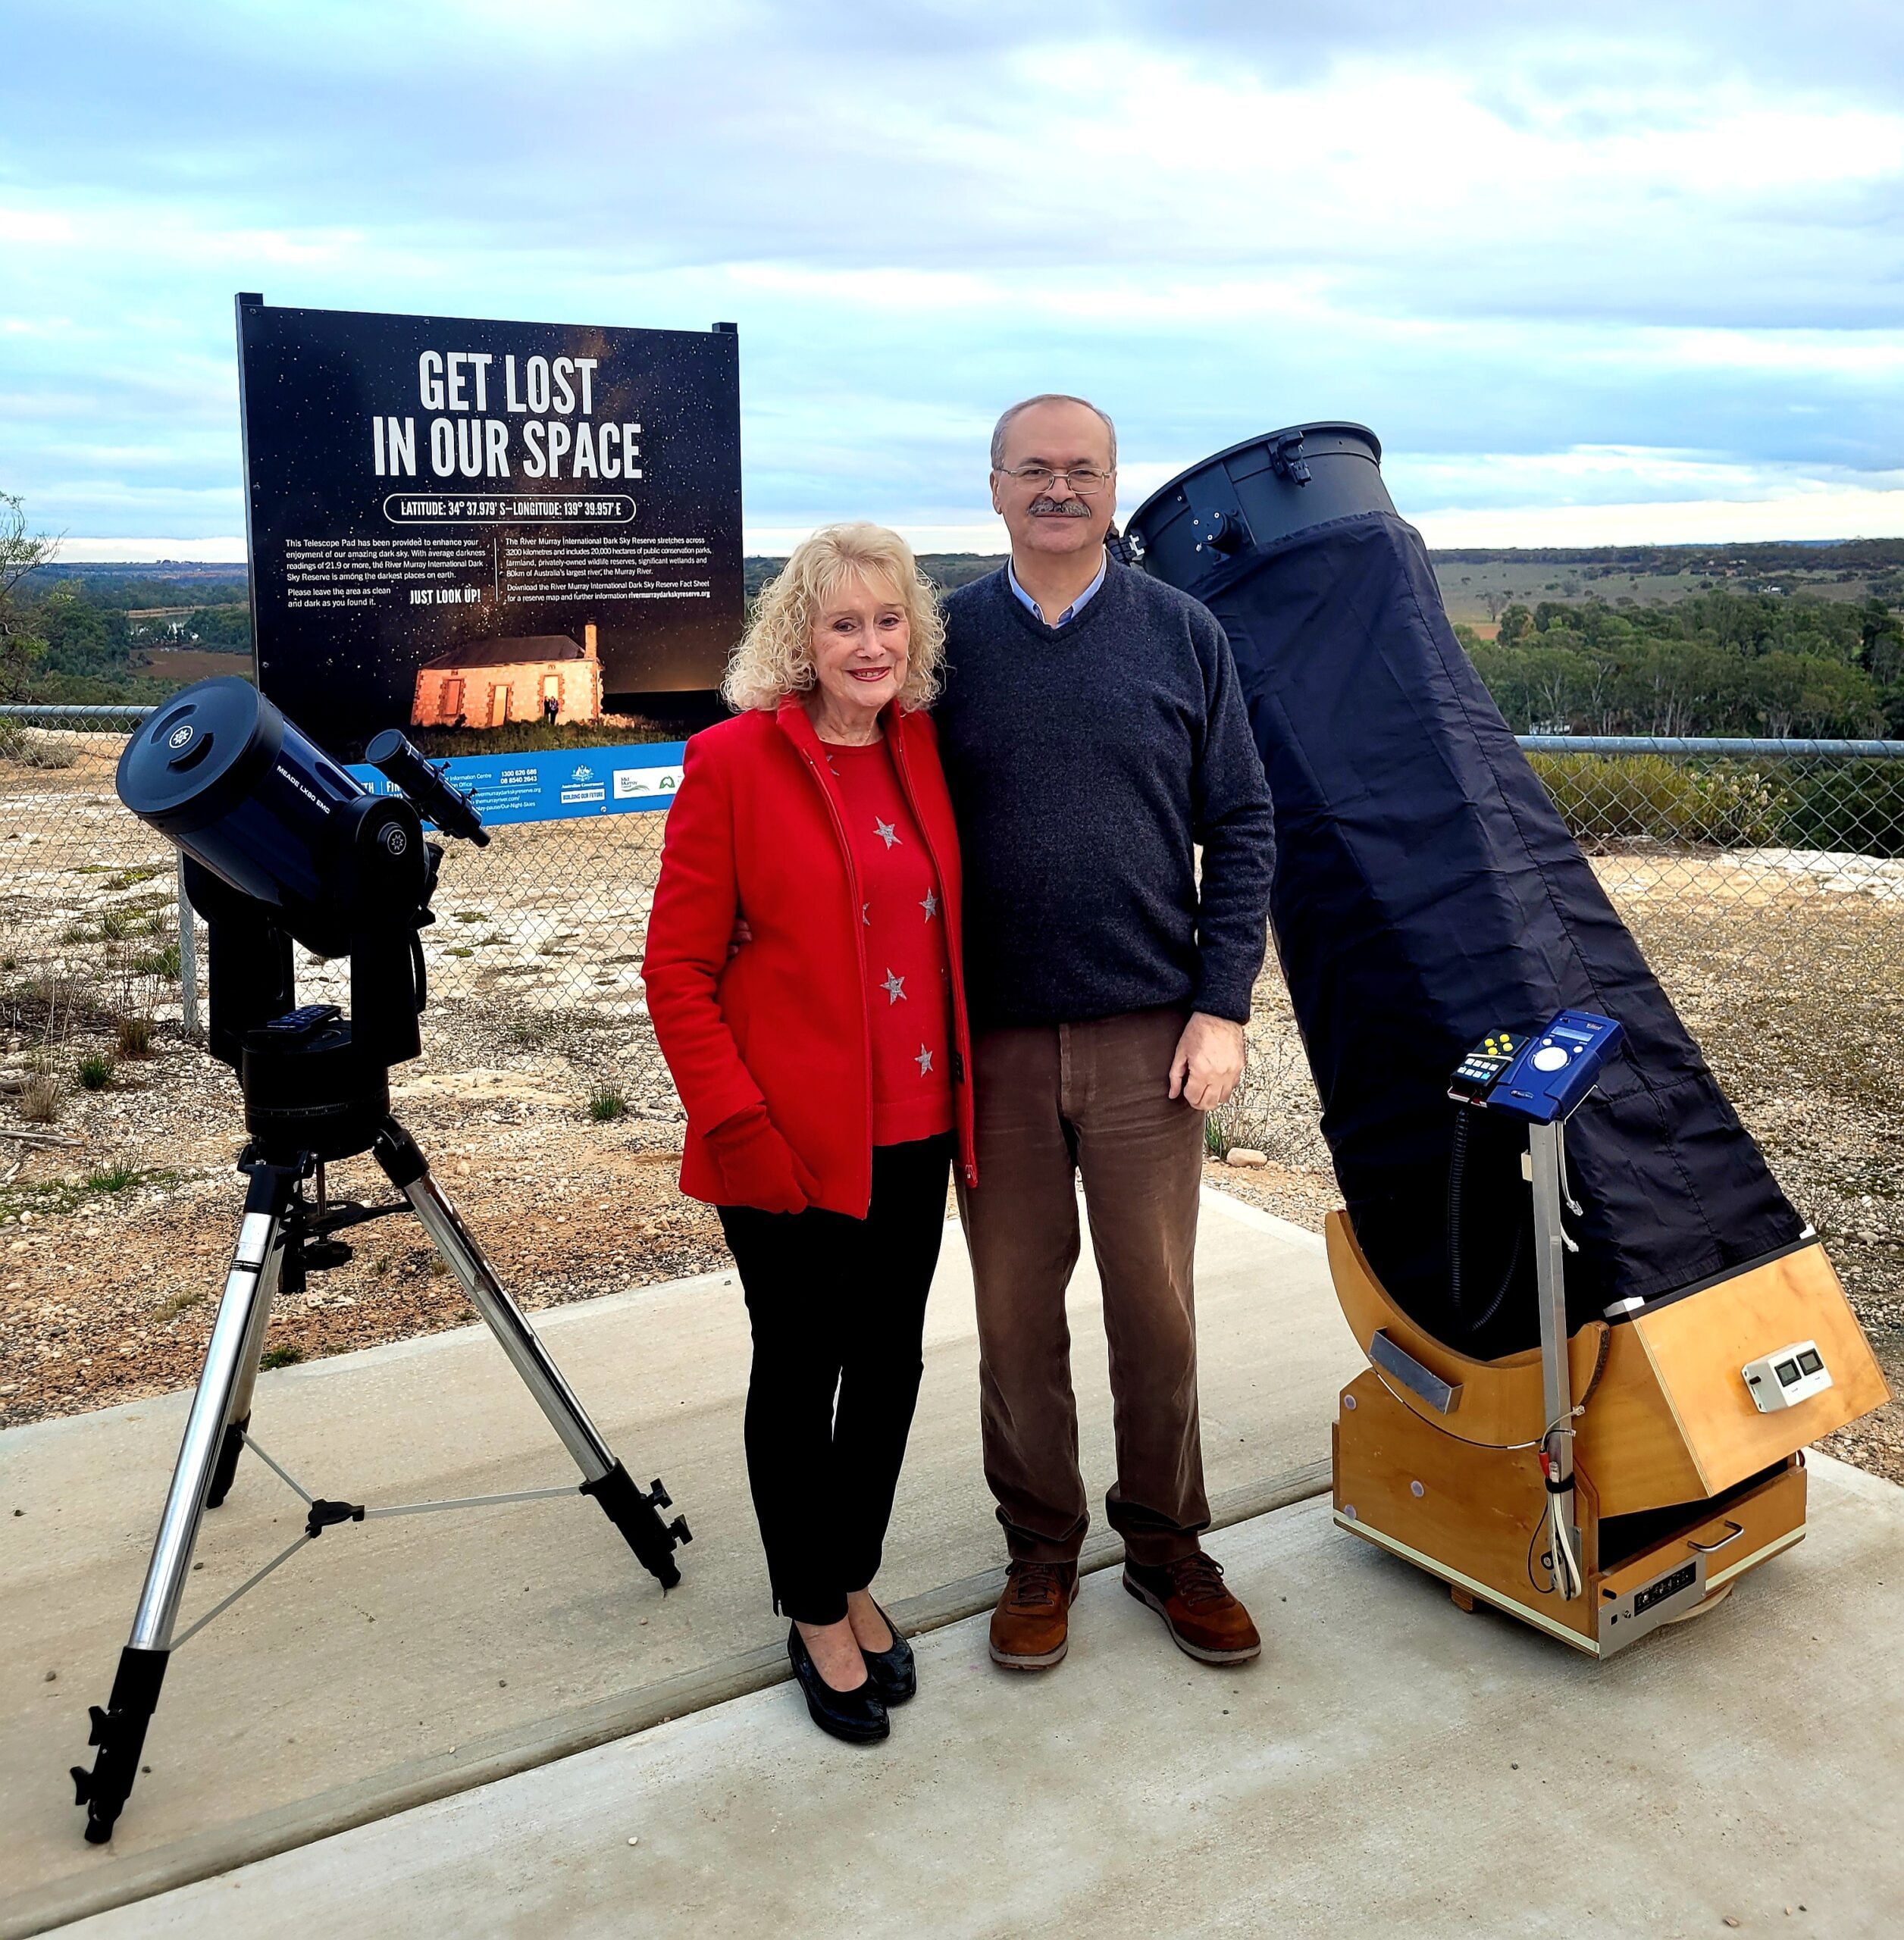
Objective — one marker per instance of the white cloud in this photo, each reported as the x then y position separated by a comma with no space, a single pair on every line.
1838,515
228,549
34,226
1634,254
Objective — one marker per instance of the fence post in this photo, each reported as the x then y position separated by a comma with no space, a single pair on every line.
188,959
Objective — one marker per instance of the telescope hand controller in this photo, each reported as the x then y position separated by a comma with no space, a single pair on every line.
1543,1076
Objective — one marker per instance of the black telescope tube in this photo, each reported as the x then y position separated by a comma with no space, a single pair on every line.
1427,891
453,811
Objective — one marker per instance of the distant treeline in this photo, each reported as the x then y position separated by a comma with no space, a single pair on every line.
1855,558
946,570
1715,663
73,640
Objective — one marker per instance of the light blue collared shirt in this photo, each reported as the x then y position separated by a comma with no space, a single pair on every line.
1077,605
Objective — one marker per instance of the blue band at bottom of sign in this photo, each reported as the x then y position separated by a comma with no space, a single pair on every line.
555,784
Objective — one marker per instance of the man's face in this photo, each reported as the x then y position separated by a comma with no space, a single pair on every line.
1056,516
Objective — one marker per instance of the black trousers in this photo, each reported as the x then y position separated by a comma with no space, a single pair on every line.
838,1309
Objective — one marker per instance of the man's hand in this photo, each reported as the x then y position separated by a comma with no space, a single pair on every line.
1209,1062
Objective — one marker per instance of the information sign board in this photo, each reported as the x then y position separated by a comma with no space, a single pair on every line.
473,527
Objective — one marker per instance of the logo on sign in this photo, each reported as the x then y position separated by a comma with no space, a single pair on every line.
630,782
583,773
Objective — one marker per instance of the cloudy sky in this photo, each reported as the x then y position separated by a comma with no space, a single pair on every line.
1633,269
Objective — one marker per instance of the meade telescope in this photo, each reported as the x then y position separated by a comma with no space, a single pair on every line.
281,844
1599,1336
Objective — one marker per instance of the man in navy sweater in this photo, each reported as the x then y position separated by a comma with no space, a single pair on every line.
1094,738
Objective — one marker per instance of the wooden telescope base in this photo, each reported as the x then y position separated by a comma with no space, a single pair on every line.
1473,1517
1681,1483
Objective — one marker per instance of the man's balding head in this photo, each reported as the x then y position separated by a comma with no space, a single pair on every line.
1000,461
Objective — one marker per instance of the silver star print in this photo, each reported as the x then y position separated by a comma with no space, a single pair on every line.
923,1061
930,905
884,830
893,986
865,913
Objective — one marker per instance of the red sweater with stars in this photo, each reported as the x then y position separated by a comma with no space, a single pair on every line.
909,973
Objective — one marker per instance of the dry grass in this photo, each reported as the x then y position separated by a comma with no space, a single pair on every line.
40,1097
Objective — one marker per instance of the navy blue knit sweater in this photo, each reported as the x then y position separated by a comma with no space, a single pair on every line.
1085,762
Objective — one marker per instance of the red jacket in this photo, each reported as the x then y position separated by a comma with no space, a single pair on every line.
756,830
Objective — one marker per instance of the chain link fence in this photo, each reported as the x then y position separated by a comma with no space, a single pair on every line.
1736,860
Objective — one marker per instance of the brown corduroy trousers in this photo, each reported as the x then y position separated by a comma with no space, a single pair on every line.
1054,1102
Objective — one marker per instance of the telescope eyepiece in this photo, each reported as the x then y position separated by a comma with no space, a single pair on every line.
391,754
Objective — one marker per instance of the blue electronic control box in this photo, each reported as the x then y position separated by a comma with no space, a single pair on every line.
1553,1069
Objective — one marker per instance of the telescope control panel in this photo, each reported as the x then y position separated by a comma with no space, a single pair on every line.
1792,1375
1542,1075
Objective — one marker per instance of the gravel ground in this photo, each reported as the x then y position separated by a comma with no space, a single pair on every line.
113,1248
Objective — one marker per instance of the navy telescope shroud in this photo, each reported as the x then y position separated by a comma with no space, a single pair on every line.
1427,894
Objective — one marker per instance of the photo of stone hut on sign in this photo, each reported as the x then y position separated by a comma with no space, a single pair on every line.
543,677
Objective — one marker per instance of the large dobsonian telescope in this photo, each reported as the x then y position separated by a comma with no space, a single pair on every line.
1599,1336
281,844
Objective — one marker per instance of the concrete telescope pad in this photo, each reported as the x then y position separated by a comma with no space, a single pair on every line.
1390,1765
393,1662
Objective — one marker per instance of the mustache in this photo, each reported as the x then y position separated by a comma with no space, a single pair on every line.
1047,507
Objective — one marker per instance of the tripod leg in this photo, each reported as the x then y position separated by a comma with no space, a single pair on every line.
231,1441
632,1512
119,1730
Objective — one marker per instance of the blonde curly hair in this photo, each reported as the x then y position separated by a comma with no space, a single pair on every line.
775,656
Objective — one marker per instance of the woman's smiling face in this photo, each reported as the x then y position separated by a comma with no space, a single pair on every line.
862,641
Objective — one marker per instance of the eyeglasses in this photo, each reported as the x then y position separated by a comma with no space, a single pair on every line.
1086,480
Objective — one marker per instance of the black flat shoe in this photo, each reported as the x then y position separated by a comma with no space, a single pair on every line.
892,1672
859,1716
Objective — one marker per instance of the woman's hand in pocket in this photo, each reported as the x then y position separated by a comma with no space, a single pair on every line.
758,1167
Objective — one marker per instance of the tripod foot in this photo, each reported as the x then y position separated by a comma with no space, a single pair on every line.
637,1515
119,1731
226,1467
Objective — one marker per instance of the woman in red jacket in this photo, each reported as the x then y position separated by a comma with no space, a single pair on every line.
823,1066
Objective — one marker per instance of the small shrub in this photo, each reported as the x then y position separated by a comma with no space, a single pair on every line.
114,1178
286,1356
42,751
157,963
1612,798
127,879
40,1097
1857,806
532,1030
459,950
95,1070
605,1102
133,1035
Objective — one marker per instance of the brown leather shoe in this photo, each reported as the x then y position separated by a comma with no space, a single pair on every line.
1029,1627
1203,1620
